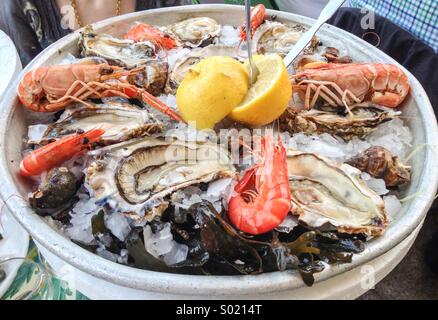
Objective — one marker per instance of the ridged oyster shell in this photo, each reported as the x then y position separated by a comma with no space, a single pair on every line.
280,38
363,121
196,32
121,122
139,176
183,65
327,195
124,53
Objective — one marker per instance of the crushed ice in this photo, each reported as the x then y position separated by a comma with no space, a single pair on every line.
80,223
377,185
393,207
229,36
118,225
162,246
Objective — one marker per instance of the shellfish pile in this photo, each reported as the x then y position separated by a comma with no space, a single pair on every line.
118,172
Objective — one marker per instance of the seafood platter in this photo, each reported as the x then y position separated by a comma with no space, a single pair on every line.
116,164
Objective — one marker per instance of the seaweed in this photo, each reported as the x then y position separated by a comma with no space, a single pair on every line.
216,247
98,223
144,260
223,244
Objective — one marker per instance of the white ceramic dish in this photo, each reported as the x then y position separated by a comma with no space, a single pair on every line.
148,284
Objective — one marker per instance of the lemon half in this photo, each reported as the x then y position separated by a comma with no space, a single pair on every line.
269,96
211,90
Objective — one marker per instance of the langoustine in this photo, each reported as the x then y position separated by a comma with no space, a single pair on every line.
349,84
52,88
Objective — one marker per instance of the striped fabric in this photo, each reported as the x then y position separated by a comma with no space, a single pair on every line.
420,17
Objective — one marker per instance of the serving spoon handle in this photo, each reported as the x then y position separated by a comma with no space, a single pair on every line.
328,11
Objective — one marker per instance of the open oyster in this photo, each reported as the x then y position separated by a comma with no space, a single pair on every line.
183,65
279,38
124,53
379,163
327,195
196,32
121,121
139,175
362,121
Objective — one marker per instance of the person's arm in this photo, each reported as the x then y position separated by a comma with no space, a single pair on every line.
15,24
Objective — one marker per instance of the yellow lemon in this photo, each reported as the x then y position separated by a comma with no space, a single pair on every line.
269,96
211,89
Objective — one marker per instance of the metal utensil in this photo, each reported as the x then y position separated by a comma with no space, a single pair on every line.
253,70
326,14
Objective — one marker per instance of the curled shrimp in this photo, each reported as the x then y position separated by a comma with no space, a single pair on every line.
262,197
258,16
144,32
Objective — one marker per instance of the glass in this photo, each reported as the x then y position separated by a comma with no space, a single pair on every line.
33,280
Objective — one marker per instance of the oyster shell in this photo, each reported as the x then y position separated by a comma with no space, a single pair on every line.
153,78
364,121
121,121
196,32
140,175
124,53
183,65
279,38
380,164
327,195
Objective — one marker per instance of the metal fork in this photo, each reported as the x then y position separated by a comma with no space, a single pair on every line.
253,70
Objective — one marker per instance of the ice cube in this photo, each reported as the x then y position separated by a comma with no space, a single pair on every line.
393,207
118,225
377,185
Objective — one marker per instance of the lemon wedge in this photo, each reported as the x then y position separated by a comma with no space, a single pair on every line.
211,90
269,96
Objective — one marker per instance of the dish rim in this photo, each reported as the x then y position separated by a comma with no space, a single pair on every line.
215,285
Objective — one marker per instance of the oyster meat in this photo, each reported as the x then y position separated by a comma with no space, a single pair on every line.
327,195
139,175
124,53
121,121
379,163
279,38
362,121
196,32
183,65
